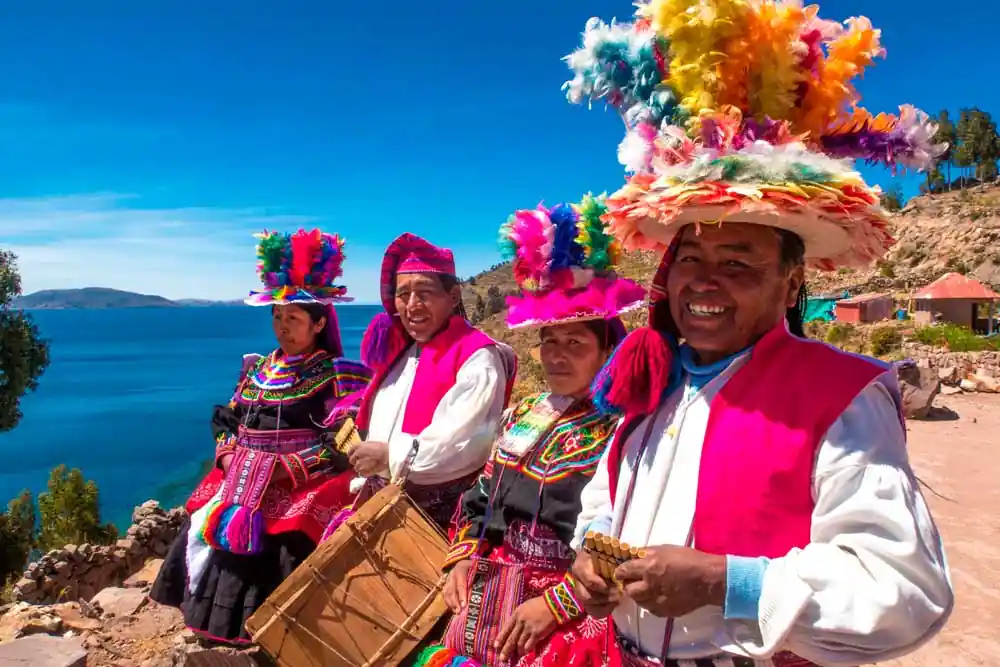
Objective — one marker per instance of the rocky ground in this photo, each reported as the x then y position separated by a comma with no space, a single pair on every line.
953,453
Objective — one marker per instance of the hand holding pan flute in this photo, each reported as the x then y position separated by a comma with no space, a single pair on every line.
672,581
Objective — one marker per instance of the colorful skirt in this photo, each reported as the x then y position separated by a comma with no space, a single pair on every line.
527,564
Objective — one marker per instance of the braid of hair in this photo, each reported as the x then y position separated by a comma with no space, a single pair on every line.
796,314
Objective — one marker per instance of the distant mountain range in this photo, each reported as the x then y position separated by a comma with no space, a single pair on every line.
105,297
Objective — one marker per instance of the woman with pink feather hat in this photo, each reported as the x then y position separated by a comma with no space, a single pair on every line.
509,584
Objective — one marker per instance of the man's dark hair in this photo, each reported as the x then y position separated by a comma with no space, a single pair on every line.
793,255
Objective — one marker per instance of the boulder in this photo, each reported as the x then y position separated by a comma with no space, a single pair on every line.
24,619
146,576
120,602
948,374
986,384
919,387
74,618
43,651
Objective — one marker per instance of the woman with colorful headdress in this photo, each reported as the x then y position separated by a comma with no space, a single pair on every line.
508,581
278,477
759,479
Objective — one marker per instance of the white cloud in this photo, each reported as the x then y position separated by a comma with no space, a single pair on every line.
110,240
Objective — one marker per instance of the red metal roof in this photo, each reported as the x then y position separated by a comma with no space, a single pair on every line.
862,298
956,286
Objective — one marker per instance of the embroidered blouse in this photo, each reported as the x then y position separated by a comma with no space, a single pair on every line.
280,392
541,466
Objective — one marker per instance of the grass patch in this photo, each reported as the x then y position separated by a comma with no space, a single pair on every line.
955,338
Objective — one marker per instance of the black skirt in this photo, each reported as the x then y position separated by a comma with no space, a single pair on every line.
233,586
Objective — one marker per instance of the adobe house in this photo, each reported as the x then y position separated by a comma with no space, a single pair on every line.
959,300
865,308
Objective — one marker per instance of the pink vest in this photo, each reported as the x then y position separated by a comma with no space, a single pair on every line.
765,426
437,370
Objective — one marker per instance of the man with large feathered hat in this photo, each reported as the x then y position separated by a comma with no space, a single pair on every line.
763,477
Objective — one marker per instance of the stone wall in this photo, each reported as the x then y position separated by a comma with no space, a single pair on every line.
78,572
986,364
974,371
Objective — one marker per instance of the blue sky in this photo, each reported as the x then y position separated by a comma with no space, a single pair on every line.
142,143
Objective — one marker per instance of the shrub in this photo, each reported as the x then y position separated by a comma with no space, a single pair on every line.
955,338
17,536
70,512
884,340
839,333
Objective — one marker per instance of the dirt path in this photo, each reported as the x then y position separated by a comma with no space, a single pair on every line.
959,460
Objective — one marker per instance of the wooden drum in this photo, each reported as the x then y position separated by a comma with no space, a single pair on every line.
367,596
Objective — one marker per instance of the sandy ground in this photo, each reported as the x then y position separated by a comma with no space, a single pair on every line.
958,458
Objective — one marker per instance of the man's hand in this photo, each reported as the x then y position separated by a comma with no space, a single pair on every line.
530,624
598,597
370,458
674,581
225,462
456,588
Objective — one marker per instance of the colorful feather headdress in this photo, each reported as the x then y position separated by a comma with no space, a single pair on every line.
745,110
564,262
299,268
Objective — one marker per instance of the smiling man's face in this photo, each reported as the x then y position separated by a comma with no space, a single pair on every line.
728,287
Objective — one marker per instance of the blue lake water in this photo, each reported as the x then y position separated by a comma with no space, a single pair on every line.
128,397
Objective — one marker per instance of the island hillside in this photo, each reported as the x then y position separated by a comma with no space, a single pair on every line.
90,297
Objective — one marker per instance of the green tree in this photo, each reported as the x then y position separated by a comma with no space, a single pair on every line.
24,356
892,199
17,536
978,143
70,512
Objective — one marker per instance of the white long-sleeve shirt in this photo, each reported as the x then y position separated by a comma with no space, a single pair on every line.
460,436
873,583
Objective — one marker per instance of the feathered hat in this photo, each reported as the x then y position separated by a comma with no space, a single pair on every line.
744,110
299,268
564,262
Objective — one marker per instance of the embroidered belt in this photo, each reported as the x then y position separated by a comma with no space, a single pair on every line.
286,441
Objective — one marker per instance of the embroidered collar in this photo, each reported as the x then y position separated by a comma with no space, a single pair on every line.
525,433
280,371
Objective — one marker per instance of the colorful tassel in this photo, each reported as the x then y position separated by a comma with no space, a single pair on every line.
638,375
375,341
440,656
